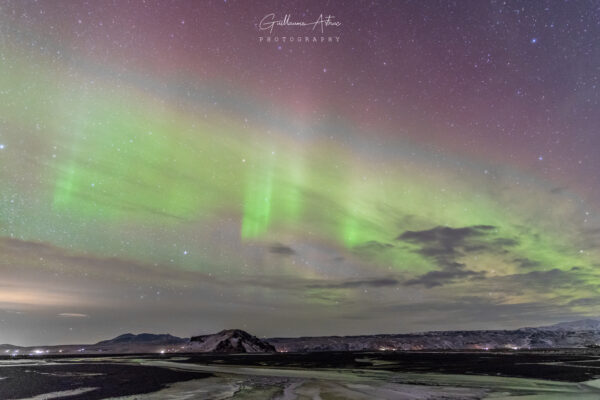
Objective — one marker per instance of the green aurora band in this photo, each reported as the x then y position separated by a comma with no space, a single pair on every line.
131,157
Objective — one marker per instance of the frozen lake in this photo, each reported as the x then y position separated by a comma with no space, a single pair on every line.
286,377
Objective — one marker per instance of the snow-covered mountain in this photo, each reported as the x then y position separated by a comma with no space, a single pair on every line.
579,325
227,341
230,341
574,334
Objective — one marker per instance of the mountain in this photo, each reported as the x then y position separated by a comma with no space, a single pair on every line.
579,325
227,341
574,334
145,338
230,341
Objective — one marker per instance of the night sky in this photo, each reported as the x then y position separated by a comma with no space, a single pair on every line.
164,169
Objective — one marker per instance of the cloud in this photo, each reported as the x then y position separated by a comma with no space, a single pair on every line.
526,263
375,283
373,245
21,254
300,285
545,280
13,312
279,248
35,297
562,285
585,302
445,245
505,242
444,241
447,275
482,310
73,315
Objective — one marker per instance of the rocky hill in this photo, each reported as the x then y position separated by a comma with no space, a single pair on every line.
230,341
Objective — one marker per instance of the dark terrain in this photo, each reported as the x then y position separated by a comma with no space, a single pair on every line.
110,379
113,378
561,365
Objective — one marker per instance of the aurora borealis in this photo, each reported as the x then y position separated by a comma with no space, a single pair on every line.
163,170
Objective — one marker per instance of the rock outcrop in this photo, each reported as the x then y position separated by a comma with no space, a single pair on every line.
230,341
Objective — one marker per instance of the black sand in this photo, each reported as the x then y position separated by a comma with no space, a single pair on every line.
110,379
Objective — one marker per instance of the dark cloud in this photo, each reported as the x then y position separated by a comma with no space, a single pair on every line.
373,245
295,285
444,235
376,283
475,310
572,283
526,263
444,245
279,248
371,248
447,275
546,280
446,242
505,242
585,302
